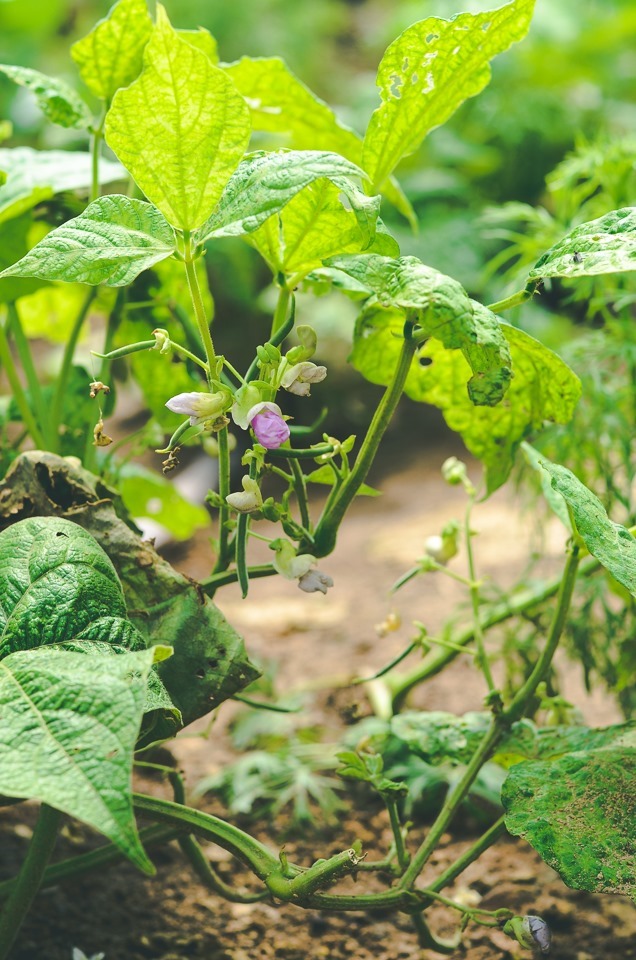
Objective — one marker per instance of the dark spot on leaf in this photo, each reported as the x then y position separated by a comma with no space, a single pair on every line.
213,664
60,534
200,674
425,361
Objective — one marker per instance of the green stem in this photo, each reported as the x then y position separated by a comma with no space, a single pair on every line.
300,488
212,583
499,725
428,941
402,685
224,554
197,303
282,306
515,299
96,140
29,879
24,352
327,528
396,828
469,856
482,657
20,397
57,402
275,340
306,453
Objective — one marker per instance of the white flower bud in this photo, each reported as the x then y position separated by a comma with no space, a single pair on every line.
249,500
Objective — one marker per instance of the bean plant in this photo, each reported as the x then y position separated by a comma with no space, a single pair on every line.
105,648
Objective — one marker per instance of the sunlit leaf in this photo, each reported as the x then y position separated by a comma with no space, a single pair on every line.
149,494
111,242
110,56
59,102
180,128
428,72
203,40
605,245
281,104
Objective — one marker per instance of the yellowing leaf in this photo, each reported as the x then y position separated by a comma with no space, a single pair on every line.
180,128
110,56
59,102
427,72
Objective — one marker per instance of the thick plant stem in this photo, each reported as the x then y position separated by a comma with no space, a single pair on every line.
282,307
28,881
197,303
20,397
499,725
65,369
224,555
327,528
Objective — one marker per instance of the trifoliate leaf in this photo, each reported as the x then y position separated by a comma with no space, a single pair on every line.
180,128
427,72
605,245
111,242
110,56
59,102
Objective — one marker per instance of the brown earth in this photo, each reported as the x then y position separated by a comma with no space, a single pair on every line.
319,643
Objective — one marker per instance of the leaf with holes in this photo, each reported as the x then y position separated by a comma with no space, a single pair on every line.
605,245
59,102
111,242
428,72
281,104
110,56
444,311
180,128
611,543
264,183
578,810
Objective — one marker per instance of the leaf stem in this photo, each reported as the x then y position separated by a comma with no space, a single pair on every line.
197,303
96,140
327,528
482,657
224,555
515,299
57,402
24,352
216,580
28,881
20,397
282,307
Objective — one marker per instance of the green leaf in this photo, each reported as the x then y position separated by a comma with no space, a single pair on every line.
265,182
440,737
611,543
110,56
444,311
280,103
605,245
315,225
149,494
58,585
36,175
14,241
59,102
209,663
203,40
326,476
428,72
180,128
554,500
111,242
543,388
578,811
368,767
69,726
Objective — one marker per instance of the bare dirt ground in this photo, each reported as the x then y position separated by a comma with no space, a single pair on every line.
317,643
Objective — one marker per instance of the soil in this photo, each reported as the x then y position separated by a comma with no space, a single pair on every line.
318,643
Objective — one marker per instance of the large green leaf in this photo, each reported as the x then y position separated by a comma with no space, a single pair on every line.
265,182
611,543
427,72
14,241
440,737
281,104
111,242
578,811
605,245
69,726
444,312
180,128
149,494
209,663
59,102
110,56
57,585
36,175
315,225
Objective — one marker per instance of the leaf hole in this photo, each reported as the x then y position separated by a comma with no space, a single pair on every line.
486,26
200,674
431,37
396,83
425,361
213,664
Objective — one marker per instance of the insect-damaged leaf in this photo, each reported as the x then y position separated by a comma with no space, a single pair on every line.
111,242
578,810
265,182
281,104
180,128
110,56
427,72
605,245
444,311
59,102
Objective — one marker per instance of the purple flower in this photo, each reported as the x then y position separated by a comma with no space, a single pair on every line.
266,420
